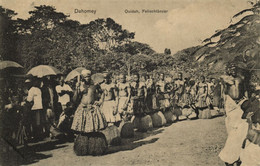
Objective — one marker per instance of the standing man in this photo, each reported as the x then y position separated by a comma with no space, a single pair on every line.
50,102
237,128
64,92
35,97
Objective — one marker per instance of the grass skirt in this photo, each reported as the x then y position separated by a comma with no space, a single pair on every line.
108,108
122,104
89,119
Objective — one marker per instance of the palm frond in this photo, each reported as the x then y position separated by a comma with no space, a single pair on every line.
210,43
206,40
242,12
218,33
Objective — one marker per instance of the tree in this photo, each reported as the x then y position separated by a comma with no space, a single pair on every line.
237,43
7,36
167,51
108,34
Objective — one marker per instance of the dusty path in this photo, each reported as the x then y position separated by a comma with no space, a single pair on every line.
186,143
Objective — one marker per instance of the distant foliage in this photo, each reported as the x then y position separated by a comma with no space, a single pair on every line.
52,38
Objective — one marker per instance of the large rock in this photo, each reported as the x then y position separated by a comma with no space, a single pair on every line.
182,117
186,111
90,144
169,116
126,129
158,119
214,112
193,115
143,123
205,114
177,111
112,135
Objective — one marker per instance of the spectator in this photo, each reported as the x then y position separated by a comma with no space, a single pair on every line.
35,97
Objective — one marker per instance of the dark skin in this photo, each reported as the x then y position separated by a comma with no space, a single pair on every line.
109,95
235,86
161,79
87,90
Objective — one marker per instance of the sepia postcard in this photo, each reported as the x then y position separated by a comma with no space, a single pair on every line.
130,82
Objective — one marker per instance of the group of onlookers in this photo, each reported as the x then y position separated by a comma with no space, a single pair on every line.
41,107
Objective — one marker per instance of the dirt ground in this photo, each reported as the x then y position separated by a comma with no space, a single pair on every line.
185,143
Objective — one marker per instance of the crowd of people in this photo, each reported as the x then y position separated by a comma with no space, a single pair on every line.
40,104
52,107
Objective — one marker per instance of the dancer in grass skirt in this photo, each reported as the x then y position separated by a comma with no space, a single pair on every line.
179,89
88,117
138,96
124,94
202,99
162,95
110,101
150,94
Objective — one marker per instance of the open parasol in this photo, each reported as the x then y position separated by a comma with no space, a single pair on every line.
43,70
74,73
9,64
9,68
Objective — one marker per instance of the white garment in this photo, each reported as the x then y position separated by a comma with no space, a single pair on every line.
64,99
237,131
250,155
35,95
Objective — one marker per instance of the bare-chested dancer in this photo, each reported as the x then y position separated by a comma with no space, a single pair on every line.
110,100
138,95
124,94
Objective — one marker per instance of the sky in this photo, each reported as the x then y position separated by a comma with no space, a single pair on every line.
187,22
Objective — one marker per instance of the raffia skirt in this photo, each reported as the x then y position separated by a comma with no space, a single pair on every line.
137,106
88,119
164,101
202,102
122,104
108,108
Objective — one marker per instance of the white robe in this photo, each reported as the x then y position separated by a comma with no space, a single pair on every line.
250,155
237,131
